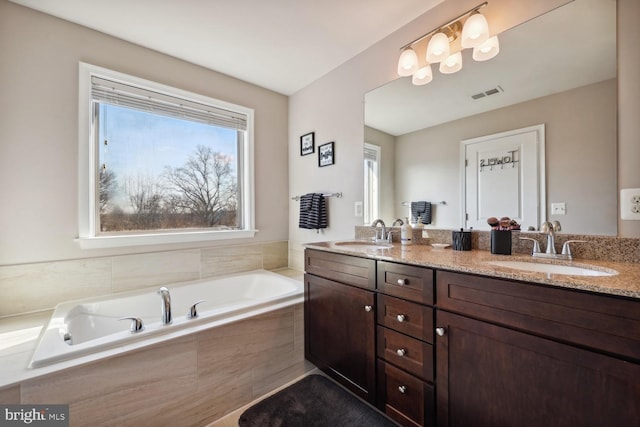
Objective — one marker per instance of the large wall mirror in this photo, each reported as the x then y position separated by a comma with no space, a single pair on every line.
557,70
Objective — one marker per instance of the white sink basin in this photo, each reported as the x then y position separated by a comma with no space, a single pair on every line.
568,270
363,245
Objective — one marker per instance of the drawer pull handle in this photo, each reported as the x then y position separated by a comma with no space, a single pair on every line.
403,282
368,308
401,352
440,332
402,389
401,317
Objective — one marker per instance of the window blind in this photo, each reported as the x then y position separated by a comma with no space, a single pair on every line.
115,93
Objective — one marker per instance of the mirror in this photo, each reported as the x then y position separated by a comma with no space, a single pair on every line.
558,69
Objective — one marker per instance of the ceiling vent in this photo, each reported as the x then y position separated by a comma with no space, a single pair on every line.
489,92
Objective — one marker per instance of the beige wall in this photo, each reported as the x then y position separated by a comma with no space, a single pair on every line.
39,132
333,107
580,139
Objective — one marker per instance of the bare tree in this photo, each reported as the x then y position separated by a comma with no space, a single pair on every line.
146,198
108,184
204,187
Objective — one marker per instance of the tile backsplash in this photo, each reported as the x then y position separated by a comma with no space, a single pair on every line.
609,248
40,286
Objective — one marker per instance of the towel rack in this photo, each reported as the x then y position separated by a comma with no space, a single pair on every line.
436,203
338,195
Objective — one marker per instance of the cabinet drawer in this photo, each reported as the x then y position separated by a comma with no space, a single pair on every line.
602,322
406,281
410,354
346,269
405,398
406,317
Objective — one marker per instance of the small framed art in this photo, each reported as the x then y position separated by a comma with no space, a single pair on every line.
307,144
326,154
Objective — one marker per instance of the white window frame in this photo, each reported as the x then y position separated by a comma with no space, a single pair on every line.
372,204
88,237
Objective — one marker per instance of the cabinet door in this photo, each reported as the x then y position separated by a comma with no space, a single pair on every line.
493,376
340,333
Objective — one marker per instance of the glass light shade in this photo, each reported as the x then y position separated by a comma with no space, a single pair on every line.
452,64
408,62
422,76
438,48
486,50
475,31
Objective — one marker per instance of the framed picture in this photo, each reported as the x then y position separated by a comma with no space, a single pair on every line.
326,154
306,144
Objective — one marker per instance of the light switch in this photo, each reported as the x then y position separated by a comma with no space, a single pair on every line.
558,209
357,209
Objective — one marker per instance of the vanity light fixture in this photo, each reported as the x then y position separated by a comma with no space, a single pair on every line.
473,31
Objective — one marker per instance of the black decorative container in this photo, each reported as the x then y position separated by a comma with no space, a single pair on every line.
461,240
501,242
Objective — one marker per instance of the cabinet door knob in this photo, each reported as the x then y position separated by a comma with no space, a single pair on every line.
402,282
402,389
401,352
401,317
368,308
440,332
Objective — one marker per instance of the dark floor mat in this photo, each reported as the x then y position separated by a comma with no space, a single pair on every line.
314,401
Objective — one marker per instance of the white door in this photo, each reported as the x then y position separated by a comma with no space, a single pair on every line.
504,176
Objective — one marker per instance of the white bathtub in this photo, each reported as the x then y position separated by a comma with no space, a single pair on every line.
80,328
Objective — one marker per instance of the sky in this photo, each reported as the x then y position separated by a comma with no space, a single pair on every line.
142,144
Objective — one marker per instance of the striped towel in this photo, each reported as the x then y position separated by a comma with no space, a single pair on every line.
422,210
313,211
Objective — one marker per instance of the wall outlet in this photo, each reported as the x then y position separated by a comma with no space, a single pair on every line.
357,208
558,209
630,203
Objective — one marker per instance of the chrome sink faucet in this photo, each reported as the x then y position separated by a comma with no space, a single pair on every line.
383,235
166,305
550,230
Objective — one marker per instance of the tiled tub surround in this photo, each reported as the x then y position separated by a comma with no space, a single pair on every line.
605,248
191,380
626,283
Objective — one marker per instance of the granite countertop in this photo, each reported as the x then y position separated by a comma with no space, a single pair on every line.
626,283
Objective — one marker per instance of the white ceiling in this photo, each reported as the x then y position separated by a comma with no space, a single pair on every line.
282,45
569,47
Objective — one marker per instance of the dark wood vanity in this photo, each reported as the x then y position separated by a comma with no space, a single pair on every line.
434,347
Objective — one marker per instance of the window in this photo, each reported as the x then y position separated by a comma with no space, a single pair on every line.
371,182
161,164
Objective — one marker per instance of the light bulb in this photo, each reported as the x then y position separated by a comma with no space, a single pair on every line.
438,48
408,62
486,50
475,31
452,64
422,76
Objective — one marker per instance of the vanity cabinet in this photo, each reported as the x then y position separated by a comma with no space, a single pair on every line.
456,349
518,354
339,318
405,351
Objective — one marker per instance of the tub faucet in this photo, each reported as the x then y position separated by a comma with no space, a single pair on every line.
166,305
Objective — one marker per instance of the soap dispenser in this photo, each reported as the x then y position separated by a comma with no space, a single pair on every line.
406,232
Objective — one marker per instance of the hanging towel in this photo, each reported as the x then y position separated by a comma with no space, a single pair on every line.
422,210
313,211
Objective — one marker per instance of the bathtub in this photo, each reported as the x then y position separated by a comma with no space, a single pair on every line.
93,326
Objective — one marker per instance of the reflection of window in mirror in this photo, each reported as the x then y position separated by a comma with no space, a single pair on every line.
371,182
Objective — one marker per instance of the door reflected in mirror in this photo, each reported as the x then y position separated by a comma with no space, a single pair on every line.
551,70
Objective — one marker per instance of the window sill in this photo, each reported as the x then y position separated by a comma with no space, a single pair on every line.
160,239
